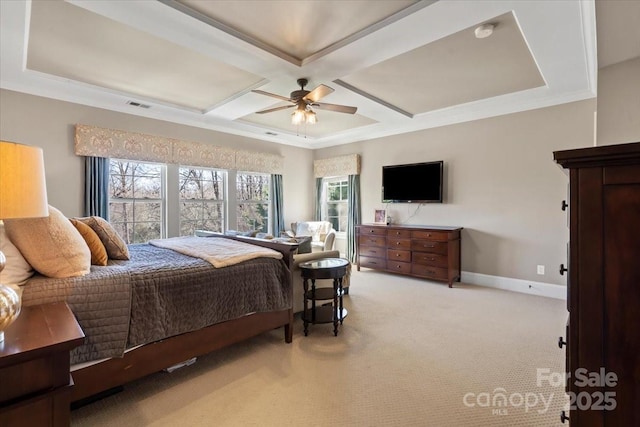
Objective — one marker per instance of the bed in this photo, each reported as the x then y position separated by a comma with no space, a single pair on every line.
163,307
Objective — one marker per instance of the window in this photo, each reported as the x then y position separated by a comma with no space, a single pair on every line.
152,200
252,193
136,200
335,206
201,200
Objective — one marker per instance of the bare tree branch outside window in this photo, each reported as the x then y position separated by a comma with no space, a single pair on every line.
135,200
201,200
252,192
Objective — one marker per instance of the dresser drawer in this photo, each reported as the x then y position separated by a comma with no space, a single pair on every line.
373,231
441,236
371,262
429,246
399,267
372,241
429,271
396,255
401,244
399,234
373,251
426,258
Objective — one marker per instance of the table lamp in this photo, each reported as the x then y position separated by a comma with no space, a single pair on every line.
23,194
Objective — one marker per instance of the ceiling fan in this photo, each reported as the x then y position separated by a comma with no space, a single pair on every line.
304,100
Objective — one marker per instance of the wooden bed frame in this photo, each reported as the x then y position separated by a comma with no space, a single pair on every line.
154,357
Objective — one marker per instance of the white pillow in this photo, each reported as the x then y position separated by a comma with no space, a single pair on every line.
309,228
17,270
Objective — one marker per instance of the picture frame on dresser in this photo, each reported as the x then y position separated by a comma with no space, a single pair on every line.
380,216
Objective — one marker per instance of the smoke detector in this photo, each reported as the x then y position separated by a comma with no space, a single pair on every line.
484,31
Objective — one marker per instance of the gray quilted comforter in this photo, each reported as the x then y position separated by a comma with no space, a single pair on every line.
160,293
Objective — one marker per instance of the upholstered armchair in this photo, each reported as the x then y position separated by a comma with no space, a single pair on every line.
322,234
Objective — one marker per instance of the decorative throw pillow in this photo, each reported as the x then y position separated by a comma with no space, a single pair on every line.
113,243
51,245
98,252
17,270
304,244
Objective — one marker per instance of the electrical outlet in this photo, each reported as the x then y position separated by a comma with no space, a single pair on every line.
541,270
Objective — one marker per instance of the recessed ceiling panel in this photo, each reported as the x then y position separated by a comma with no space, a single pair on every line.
454,70
298,28
73,43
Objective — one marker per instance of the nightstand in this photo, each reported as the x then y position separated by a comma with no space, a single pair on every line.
34,366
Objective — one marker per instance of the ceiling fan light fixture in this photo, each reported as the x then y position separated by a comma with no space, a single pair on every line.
298,116
312,118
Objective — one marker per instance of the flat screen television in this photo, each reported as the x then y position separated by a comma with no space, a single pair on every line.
412,183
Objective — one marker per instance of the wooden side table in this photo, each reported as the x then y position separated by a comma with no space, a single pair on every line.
334,312
35,382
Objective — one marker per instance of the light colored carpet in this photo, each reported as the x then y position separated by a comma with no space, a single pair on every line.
408,353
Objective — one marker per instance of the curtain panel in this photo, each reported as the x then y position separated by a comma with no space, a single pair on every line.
277,217
318,211
101,142
355,213
96,187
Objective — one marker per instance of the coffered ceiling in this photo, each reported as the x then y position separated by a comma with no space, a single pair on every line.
406,65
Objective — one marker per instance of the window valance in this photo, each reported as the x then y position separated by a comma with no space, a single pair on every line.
102,142
337,166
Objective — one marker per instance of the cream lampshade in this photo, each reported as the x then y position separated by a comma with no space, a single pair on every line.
23,194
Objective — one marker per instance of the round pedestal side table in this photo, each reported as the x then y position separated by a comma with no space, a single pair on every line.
333,311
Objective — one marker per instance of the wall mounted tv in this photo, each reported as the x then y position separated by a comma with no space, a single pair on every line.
412,183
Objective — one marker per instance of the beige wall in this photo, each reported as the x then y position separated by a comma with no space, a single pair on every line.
619,103
501,185
49,124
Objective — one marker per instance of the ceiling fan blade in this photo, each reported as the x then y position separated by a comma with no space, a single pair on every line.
336,108
271,110
273,95
317,93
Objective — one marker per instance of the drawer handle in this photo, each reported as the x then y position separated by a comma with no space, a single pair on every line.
563,269
428,259
564,205
371,231
398,266
561,342
397,254
397,243
429,246
563,417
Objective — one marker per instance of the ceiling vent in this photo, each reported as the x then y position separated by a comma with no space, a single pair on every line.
137,104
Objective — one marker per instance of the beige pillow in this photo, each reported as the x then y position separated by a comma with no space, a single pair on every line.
113,243
98,252
51,245
17,270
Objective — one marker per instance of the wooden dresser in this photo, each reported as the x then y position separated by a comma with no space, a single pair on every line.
429,252
603,287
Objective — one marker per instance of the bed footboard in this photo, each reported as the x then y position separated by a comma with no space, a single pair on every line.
157,356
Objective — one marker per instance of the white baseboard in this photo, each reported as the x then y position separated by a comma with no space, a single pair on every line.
516,285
